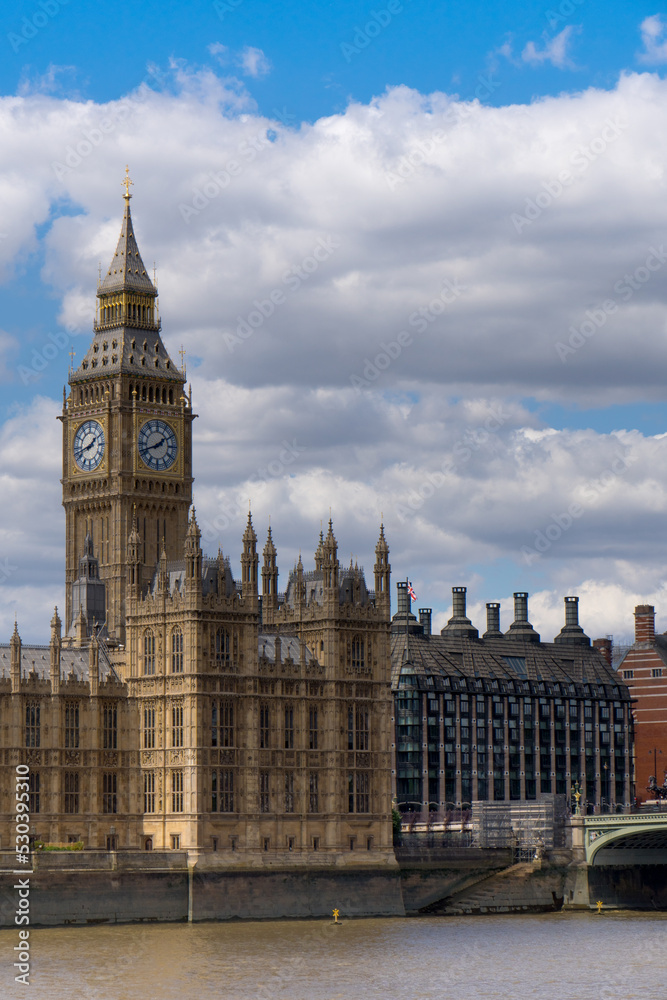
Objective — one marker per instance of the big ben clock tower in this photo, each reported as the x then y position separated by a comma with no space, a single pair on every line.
127,436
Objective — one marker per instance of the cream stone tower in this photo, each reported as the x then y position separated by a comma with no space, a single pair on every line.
126,436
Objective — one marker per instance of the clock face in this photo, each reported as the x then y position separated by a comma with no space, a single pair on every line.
157,445
89,445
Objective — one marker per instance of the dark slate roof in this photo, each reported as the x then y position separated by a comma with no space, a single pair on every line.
127,271
510,665
176,575
314,584
289,646
138,351
38,658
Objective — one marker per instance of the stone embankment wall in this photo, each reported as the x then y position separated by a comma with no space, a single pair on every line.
100,887
92,887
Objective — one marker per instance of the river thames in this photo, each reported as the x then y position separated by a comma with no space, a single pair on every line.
558,956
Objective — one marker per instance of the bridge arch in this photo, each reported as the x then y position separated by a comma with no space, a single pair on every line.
627,840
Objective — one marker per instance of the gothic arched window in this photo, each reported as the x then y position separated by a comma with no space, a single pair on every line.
222,646
177,651
149,652
357,653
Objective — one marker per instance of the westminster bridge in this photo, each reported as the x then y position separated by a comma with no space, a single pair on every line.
621,839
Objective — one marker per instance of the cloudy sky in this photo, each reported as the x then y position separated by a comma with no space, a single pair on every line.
416,254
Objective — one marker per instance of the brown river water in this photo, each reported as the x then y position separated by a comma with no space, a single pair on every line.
560,956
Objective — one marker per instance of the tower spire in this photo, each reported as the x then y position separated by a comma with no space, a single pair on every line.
127,328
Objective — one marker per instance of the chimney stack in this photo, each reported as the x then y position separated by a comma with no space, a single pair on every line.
644,623
402,599
459,602
425,619
398,622
521,606
521,627
493,621
604,645
459,624
572,633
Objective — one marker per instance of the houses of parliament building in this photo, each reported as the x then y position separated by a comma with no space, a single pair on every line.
175,707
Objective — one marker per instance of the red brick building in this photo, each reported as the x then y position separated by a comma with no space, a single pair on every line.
644,669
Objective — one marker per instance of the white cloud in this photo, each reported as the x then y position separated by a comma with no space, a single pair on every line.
56,80
654,38
254,62
388,217
32,531
220,52
554,51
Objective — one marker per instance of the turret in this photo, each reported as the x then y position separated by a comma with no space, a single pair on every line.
319,553
134,559
300,587
15,659
89,592
163,574
330,562
249,561
193,554
54,650
382,572
94,665
269,575
80,629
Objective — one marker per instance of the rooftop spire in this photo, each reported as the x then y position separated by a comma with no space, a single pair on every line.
249,533
269,548
127,325
127,271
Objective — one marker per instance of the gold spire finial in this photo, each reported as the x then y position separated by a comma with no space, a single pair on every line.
127,181
182,354
72,354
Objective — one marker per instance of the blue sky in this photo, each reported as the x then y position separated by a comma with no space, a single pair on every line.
416,139
313,59
425,45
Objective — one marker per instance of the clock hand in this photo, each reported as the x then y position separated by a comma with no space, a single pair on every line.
157,445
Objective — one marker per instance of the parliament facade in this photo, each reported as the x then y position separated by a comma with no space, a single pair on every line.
175,707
